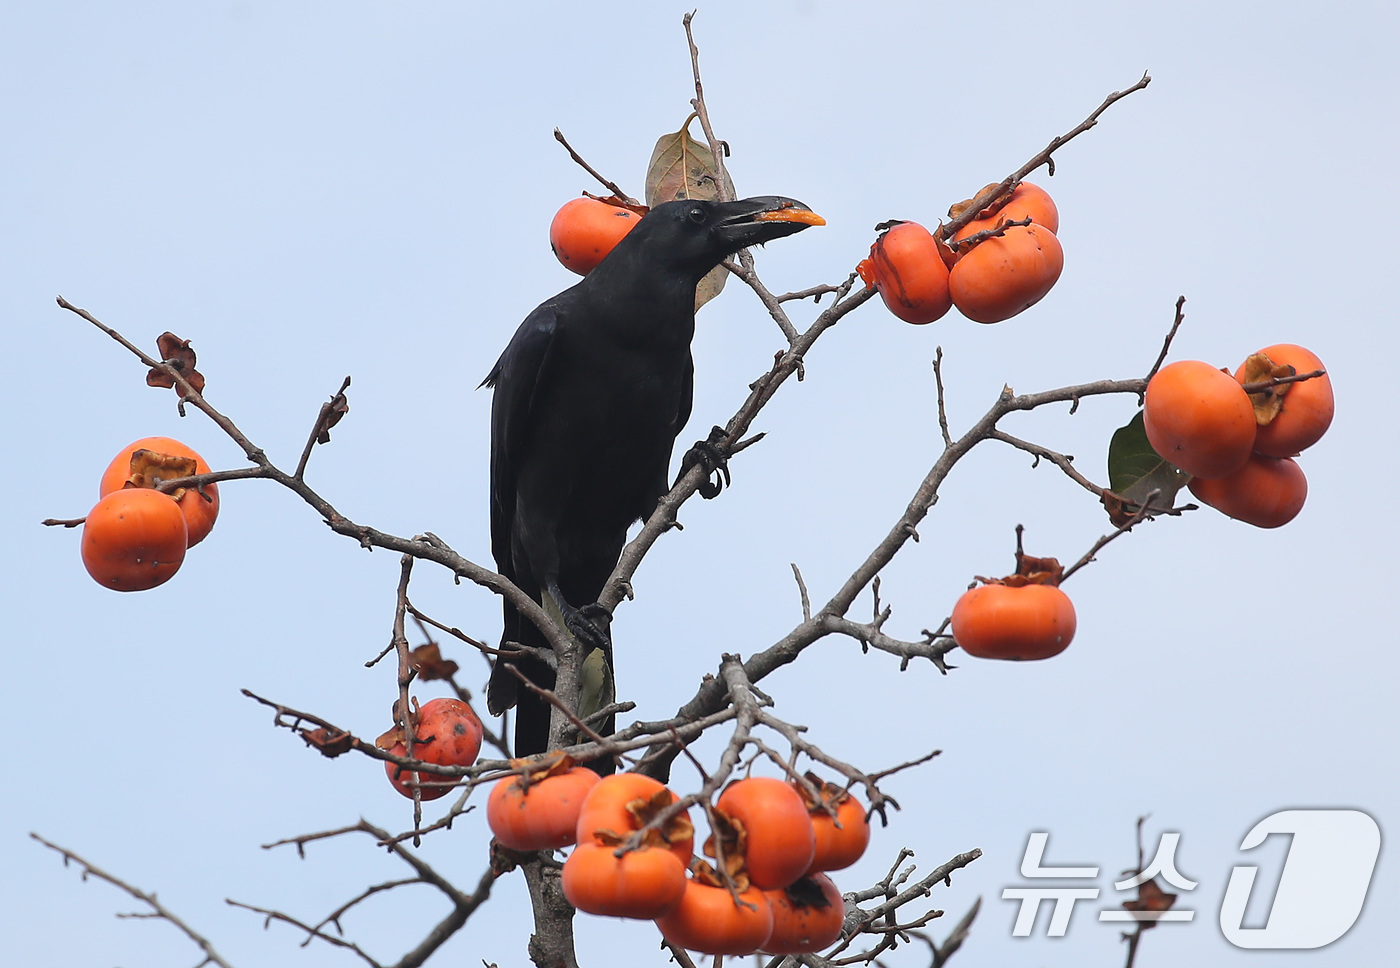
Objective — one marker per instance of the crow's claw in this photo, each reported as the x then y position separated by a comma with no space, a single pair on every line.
708,454
591,626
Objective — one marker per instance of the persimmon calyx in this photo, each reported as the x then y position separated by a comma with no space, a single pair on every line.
535,770
831,795
643,810
395,734
1268,401
728,836
997,203
703,872
619,202
149,469
1034,571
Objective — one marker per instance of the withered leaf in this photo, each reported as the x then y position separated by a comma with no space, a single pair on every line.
428,662
330,743
338,407
681,167
175,352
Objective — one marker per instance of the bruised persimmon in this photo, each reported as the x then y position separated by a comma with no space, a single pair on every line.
165,459
539,814
906,268
780,841
585,230
708,920
619,805
1003,275
1199,418
645,883
997,621
134,539
1291,416
807,916
449,734
1027,201
1266,492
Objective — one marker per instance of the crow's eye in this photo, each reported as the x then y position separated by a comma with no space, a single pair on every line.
696,215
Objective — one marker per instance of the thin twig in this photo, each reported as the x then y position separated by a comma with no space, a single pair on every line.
211,957
605,182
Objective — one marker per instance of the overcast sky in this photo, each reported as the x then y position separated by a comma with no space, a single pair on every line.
309,190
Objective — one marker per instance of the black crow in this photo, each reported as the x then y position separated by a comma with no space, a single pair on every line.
589,397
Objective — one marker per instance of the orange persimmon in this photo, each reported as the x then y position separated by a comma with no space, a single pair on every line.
163,461
997,621
1003,275
1199,418
134,539
906,268
585,230
1266,492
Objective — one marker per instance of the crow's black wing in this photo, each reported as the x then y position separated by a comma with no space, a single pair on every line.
515,379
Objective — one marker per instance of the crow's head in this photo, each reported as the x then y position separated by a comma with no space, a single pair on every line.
692,236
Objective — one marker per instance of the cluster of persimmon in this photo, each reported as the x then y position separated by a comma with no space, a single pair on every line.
1002,262
774,840
1025,615
136,536
1239,444
446,732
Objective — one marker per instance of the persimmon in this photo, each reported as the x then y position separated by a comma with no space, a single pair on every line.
539,814
1003,275
837,847
1000,621
134,539
646,883
166,459
778,829
1027,201
708,920
807,916
1266,492
585,230
1291,416
906,268
621,804
449,734
1199,418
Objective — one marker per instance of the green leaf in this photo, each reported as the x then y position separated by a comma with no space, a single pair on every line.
1135,470
682,167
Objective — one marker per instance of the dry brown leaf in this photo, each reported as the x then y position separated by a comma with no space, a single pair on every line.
681,167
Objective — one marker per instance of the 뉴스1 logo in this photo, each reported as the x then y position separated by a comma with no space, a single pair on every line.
1321,889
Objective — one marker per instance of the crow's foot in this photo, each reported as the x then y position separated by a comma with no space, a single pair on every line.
708,455
591,625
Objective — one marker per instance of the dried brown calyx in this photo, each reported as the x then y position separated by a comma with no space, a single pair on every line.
1269,400
149,469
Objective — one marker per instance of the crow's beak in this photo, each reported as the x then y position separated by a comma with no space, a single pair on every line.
754,221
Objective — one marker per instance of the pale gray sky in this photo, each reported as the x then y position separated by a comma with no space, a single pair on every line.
309,190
